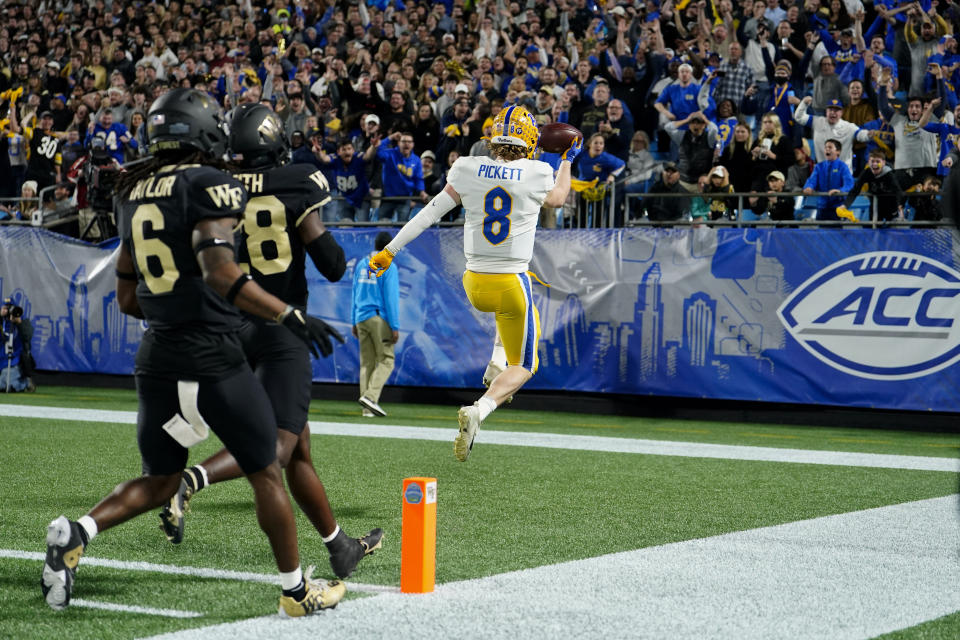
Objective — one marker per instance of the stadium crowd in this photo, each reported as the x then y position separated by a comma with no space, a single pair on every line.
696,96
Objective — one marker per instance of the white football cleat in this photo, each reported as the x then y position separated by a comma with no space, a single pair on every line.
469,418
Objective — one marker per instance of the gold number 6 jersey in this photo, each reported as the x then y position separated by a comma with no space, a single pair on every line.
502,202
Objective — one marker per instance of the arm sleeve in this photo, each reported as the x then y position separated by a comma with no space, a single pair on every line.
855,191
383,151
664,97
675,134
427,217
811,182
884,102
703,96
848,180
874,28
712,132
768,67
800,114
391,297
828,42
327,256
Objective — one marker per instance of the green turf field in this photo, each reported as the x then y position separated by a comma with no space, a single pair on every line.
545,506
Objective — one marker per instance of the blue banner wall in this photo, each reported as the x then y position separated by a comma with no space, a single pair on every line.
856,317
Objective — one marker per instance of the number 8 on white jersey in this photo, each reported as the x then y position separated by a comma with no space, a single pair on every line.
502,202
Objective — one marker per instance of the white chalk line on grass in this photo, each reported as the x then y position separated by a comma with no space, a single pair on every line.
126,608
554,441
843,577
198,572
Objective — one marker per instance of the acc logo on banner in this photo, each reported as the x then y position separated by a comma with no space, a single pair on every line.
885,315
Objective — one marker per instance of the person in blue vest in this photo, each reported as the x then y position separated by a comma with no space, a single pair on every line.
376,325
402,176
831,176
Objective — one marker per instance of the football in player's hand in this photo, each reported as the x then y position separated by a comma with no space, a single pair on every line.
557,137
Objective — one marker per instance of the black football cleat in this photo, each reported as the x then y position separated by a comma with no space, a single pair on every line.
346,559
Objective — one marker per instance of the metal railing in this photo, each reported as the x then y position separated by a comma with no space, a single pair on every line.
800,204
580,213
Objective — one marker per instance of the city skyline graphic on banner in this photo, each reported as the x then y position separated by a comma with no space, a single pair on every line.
661,334
664,327
105,340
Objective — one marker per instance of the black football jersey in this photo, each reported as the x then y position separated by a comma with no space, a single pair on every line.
44,152
156,220
270,248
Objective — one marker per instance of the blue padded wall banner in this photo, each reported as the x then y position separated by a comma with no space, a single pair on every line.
857,317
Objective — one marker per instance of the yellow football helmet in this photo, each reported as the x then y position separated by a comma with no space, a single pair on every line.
517,126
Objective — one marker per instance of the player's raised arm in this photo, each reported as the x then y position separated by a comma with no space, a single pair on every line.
439,205
558,195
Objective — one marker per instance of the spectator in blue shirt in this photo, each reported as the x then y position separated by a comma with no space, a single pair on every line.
114,135
831,176
605,167
348,171
376,324
681,96
402,176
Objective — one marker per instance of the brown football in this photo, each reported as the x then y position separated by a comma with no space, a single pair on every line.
557,137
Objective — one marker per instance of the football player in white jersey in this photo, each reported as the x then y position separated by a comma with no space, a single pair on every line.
502,198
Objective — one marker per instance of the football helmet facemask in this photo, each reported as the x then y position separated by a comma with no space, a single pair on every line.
516,126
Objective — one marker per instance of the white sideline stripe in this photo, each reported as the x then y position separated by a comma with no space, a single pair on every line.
554,441
128,608
844,577
648,447
198,572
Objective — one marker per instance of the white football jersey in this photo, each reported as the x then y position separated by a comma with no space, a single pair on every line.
502,202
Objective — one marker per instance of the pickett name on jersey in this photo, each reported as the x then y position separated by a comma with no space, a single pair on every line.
499,172
153,187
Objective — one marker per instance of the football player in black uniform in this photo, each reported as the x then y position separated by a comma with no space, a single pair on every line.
281,224
176,268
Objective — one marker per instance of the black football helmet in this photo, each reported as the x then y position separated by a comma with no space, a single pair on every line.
186,119
257,138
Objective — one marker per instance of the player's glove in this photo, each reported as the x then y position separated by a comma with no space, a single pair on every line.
381,262
313,331
575,148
